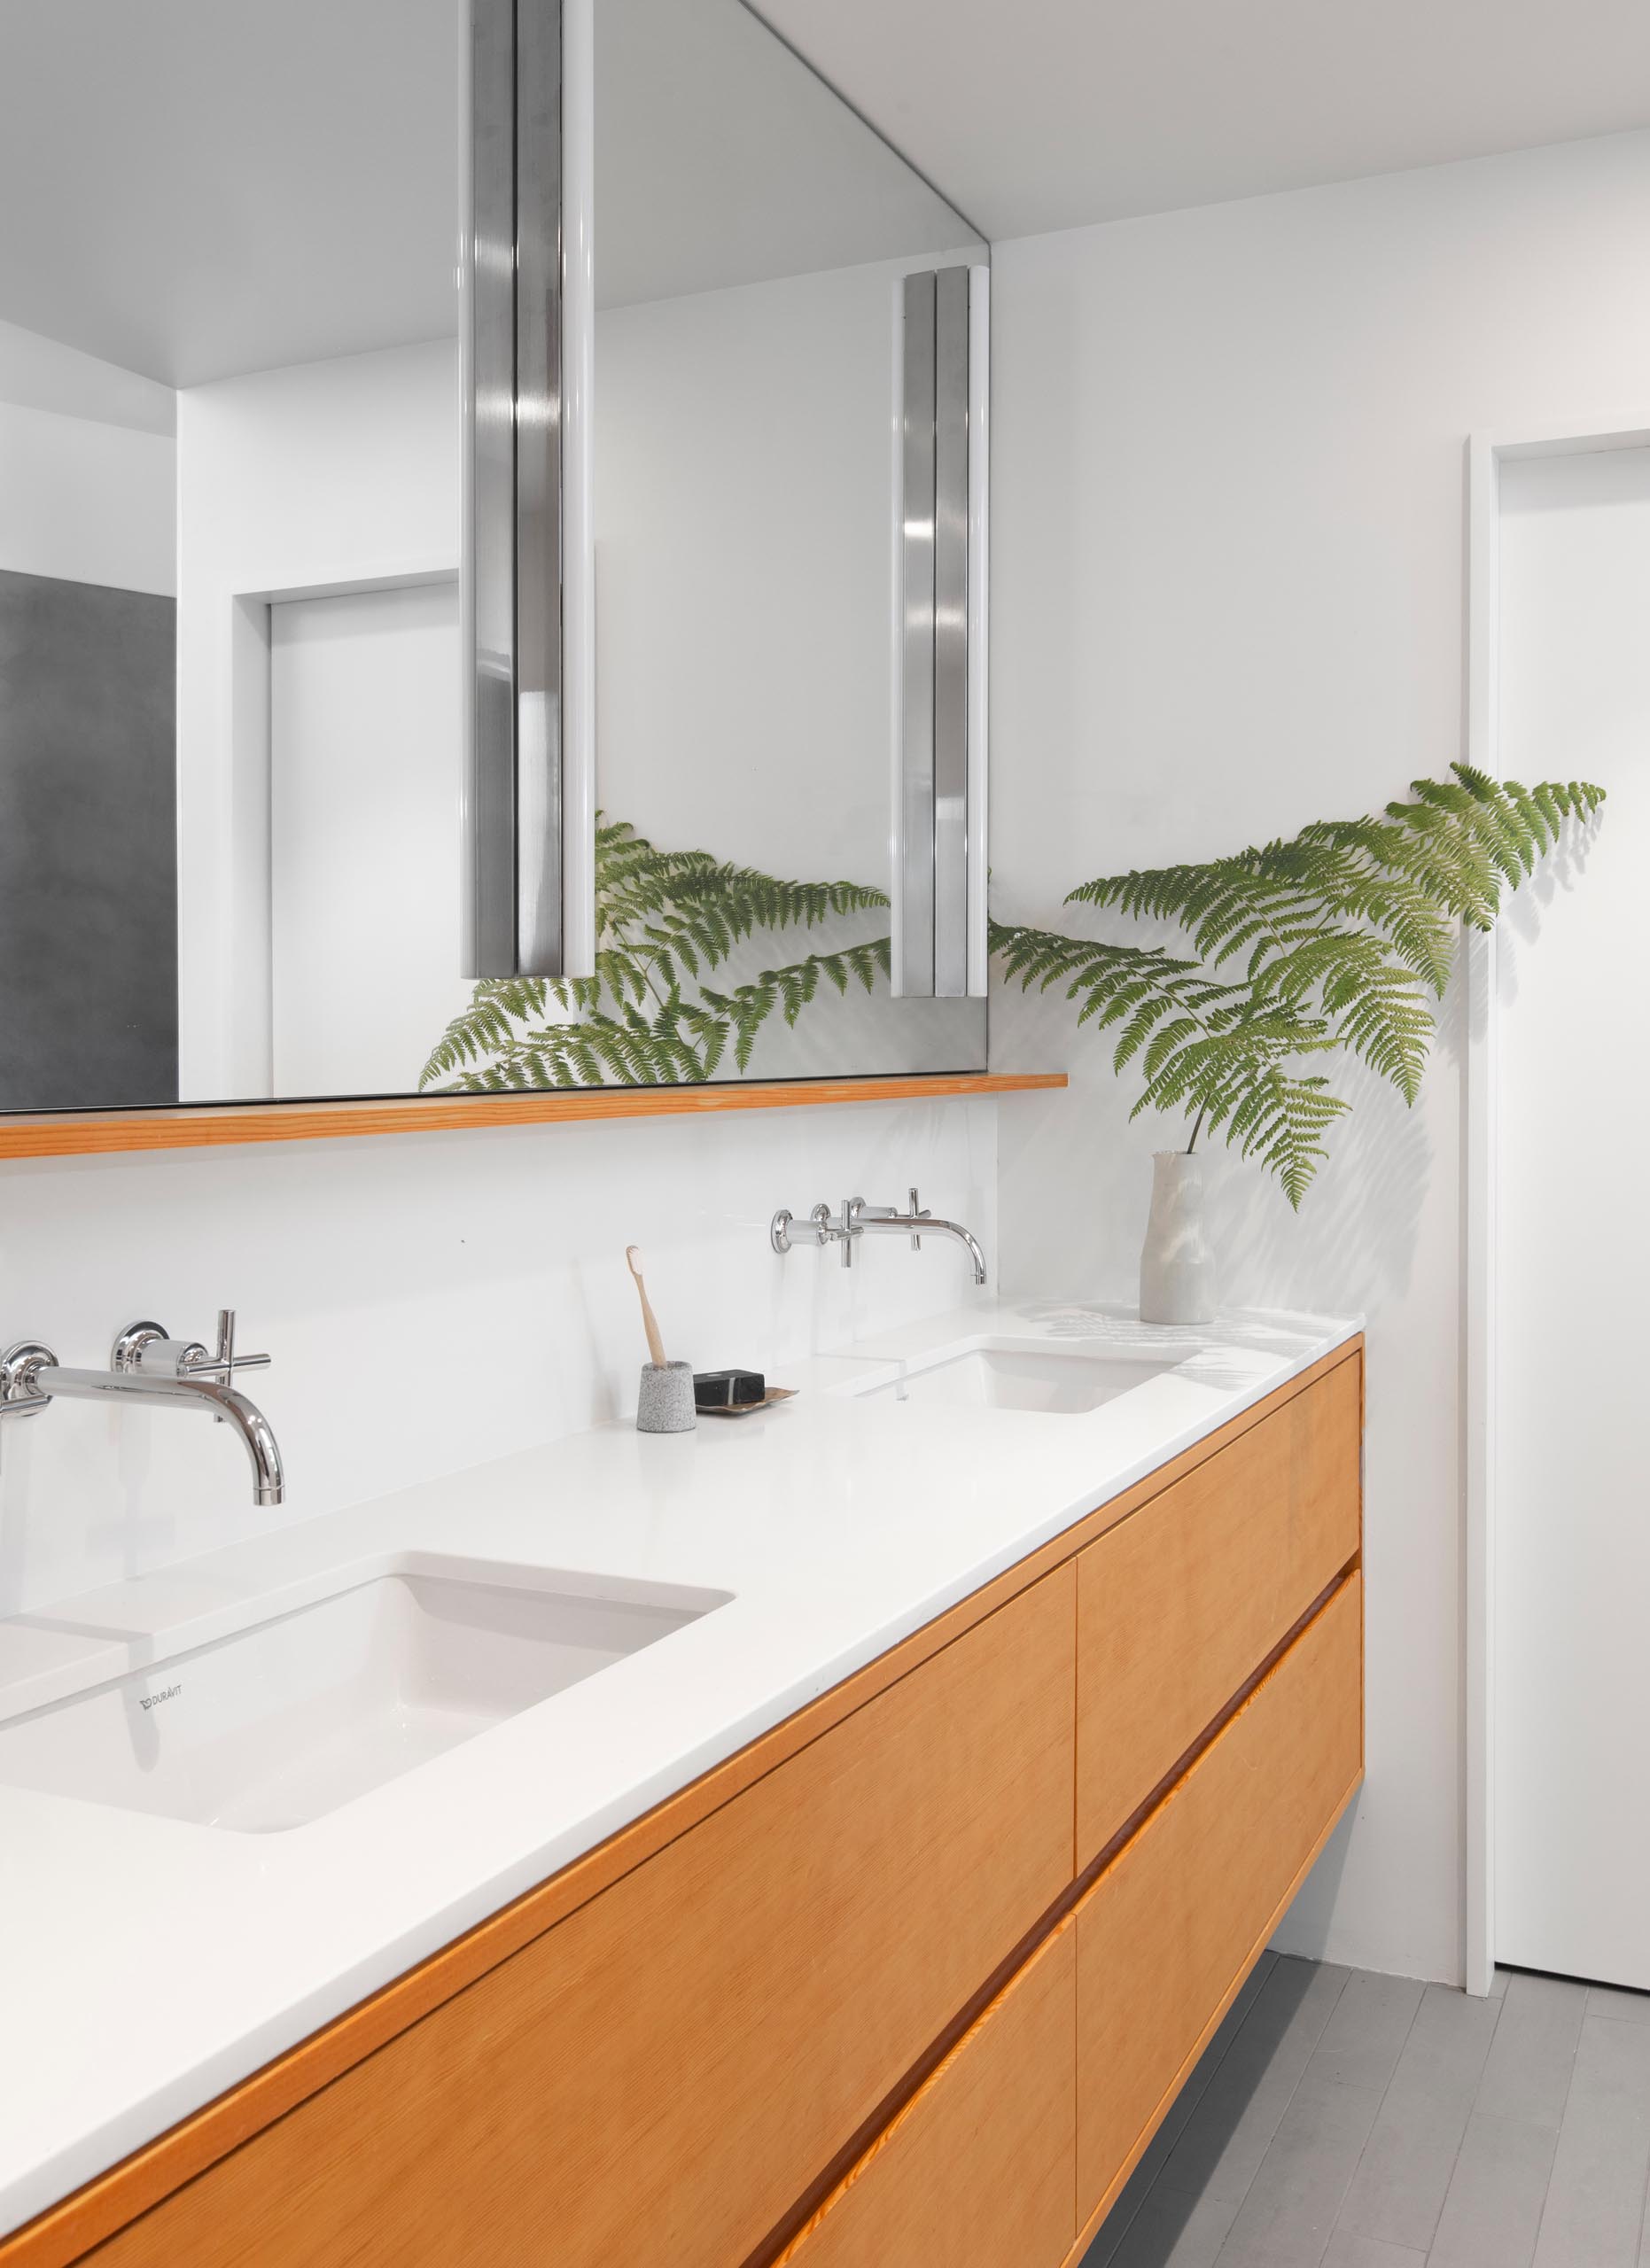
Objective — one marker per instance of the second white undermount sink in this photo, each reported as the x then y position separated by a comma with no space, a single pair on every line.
299,1712
1057,1380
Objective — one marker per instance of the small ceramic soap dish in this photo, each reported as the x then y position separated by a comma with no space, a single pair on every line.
721,1389
735,1393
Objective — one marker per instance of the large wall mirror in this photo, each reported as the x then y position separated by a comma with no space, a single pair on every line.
311,545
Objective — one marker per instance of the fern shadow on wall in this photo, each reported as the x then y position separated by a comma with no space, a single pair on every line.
1530,907
1359,1244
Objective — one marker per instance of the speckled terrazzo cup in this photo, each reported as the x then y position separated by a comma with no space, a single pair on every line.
665,1404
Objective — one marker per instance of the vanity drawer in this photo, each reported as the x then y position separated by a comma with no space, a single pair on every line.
681,2058
1180,1603
979,2169
1176,1921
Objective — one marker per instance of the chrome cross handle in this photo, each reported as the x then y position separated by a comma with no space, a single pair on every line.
858,1216
918,1212
149,1350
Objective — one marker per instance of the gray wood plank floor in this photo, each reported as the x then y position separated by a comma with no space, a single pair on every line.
1345,2120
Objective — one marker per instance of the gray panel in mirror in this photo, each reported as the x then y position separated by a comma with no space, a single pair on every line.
86,821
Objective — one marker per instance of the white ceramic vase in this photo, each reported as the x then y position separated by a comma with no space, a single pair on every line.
1177,1260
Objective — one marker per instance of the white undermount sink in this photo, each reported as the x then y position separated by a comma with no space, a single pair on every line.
298,1712
1057,1380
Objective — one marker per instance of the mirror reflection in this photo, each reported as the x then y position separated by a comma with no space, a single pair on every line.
753,237
231,672
228,603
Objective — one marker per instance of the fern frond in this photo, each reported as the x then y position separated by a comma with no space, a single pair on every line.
1334,940
1137,985
1345,933
664,919
498,1005
1280,1122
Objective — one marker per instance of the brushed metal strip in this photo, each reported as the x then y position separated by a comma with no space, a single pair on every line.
916,604
487,362
951,634
577,487
979,616
538,499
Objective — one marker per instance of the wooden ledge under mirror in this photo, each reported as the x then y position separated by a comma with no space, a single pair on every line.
103,1133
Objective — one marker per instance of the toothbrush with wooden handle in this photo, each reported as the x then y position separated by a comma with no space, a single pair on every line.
650,1322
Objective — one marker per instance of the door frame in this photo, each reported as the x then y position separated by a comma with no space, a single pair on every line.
1486,452
224,931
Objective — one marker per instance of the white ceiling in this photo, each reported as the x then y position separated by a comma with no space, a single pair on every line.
1034,114
190,188
722,159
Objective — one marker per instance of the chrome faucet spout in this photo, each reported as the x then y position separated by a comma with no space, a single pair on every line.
969,1242
924,1224
166,1373
225,1401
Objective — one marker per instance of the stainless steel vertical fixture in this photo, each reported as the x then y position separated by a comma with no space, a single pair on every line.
939,945
913,970
514,354
539,750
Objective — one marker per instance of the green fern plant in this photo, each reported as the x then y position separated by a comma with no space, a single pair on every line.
666,921
1335,940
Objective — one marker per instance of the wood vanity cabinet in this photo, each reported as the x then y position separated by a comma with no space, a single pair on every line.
1179,1604
912,1978
979,2170
1173,1924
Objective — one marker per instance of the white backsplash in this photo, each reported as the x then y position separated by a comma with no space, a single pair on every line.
431,1302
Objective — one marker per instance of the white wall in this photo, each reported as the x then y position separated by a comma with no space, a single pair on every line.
88,468
289,481
1228,577
433,1301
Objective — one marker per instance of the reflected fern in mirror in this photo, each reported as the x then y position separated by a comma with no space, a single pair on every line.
666,920
1335,941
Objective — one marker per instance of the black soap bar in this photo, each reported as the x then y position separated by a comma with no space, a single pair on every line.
728,1389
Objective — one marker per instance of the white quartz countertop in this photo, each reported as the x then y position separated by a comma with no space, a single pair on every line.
150,1963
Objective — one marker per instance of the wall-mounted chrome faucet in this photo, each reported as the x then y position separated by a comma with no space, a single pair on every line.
858,1219
148,1365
